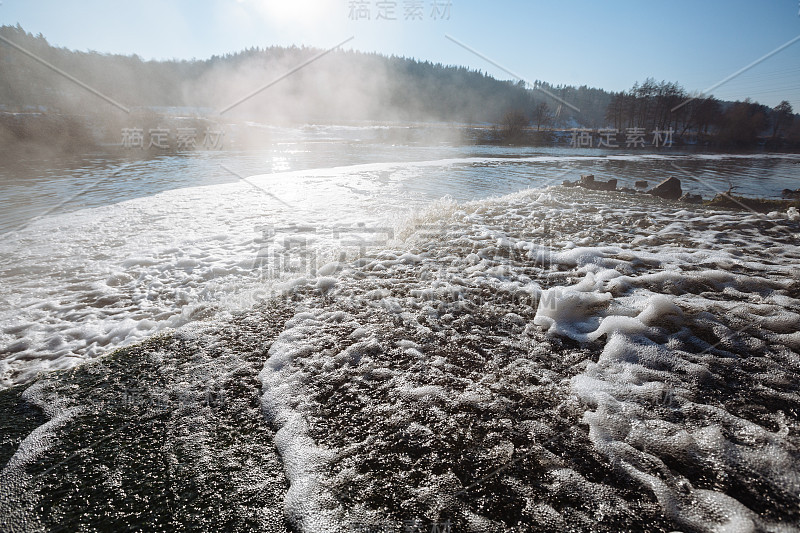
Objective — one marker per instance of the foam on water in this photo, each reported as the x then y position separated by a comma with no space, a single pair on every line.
672,319
17,498
76,285
545,357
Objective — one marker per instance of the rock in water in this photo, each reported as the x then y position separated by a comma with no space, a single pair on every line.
790,194
610,185
588,182
641,184
691,198
669,189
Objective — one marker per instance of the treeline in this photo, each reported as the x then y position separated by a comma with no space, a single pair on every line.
342,85
355,86
666,105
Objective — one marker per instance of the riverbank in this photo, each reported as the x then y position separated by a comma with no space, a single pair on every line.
34,131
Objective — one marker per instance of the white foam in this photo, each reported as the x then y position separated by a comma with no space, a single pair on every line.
308,502
19,503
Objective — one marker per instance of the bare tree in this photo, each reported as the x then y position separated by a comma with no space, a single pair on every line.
541,115
513,123
782,117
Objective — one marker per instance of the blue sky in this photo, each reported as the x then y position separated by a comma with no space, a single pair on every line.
598,43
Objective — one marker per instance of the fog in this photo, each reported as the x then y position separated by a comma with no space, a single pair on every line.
66,100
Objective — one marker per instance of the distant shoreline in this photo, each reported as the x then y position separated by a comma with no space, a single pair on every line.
27,132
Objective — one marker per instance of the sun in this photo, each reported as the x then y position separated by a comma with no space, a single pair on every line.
305,14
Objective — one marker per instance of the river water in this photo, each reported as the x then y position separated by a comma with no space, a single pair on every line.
420,319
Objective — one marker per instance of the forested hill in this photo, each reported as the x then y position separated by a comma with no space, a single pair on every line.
355,86
342,85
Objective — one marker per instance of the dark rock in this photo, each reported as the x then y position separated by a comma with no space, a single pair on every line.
629,190
691,198
789,194
669,189
610,185
641,184
588,182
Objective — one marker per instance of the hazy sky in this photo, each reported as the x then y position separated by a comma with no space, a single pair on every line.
598,43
